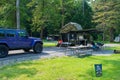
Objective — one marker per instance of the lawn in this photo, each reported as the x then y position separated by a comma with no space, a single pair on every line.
113,48
49,43
63,68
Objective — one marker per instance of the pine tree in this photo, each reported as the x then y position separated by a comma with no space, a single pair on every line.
107,17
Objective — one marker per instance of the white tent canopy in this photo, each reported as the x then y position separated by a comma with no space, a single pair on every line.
71,26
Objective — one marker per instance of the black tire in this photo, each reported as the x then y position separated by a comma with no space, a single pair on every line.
3,51
26,50
38,48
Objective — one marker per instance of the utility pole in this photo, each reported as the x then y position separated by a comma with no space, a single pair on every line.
18,13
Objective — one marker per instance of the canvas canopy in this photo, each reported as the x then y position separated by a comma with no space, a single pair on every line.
71,26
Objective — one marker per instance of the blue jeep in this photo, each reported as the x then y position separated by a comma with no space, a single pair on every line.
12,39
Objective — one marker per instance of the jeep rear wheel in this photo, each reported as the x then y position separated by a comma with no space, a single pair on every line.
38,48
3,51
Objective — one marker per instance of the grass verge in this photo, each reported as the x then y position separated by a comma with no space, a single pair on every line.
113,48
49,43
64,68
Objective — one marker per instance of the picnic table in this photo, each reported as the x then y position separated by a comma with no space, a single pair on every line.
78,50
66,44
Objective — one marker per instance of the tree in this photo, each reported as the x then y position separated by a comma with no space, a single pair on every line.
26,16
40,12
7,15
106,17
81,13
45,15
53,14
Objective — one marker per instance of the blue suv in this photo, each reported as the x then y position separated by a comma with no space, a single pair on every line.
12,39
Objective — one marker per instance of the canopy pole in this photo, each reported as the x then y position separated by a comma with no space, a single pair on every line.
68,37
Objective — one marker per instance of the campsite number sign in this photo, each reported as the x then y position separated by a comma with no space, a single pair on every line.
98,70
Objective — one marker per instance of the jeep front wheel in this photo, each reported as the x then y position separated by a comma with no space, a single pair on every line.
37,48
3,51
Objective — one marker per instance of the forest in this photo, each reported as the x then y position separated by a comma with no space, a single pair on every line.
46,17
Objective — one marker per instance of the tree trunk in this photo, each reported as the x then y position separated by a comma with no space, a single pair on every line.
112,30
41,33
62,13
18,14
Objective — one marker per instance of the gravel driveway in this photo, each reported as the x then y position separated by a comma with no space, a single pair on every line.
20,55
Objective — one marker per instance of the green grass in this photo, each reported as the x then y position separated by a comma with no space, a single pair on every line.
64,68
49,43
113,48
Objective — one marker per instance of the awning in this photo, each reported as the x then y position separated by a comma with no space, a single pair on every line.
71,26
93,30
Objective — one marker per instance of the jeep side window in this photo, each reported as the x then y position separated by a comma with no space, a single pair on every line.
10,34
2,34
22,34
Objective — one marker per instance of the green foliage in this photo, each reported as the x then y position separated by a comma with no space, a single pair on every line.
49,14
25,16
106,17
7,12
45,15
65,68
